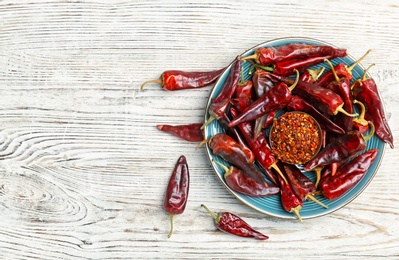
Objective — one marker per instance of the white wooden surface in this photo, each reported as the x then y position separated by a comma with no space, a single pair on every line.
83,169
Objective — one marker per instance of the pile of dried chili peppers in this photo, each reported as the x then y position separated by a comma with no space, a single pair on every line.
283,79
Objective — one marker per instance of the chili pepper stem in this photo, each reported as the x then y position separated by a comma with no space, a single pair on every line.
372,131
150,81
171,225
358,61
312,198
227,170
201,144
315,74
360,119
343,111
291,88
213,214
356,81
210,119
266,68
275,167
296,212
365,72
332,69
317,170
251,57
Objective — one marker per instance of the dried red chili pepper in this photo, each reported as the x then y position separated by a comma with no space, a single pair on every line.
342,70
292,51
244,90
290,202
241,103
274,99
242,183
190,132
342,87
224,146
341,148
365,90
177,191
301,185
299,104
260,147
233,224
325,100
311,75
219,105
360,124
178,80
348,175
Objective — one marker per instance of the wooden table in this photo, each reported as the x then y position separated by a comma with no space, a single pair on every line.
83,170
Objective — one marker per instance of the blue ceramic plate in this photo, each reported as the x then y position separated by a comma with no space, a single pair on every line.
271,205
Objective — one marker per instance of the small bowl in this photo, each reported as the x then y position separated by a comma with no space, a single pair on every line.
295,137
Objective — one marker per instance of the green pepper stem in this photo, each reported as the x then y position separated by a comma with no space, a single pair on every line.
296,211
266,68
251,57
171,225
317,170
150,81
372,131
201,144
210,119
365,72
227,171
360,119
357,62
215,216
275,167
291,88
332,69
315,74
343,111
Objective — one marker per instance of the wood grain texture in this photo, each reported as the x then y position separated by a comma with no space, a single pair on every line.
82,167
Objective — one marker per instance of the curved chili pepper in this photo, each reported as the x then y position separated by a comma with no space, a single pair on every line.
233,224
233,132
342,70
292,51
348,175
273,100
342,87
325,100
224,146
360,124
365,90
290,202
299,104
242,183
219,105
177,191
178,80
301,185
190,132
260,147
341,148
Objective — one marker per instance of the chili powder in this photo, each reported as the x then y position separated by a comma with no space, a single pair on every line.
295,137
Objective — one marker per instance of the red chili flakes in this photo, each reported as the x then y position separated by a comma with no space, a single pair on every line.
295,137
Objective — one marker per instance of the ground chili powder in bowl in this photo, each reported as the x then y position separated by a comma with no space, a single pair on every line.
295,137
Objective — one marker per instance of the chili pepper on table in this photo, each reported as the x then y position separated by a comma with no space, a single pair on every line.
325,100
177,190
190,132
342,70
342,87
241,182
233,224
301,185
260,147
341,148
292,51
274,99
290,202
219,105
178,80
299,104
360,124
365,90
348,175
224,146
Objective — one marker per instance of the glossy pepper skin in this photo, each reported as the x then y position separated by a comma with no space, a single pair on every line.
348,175
299,104
240,182
177,80
274,99
190,132
290,202
292,51
233,224
366,92
177,190
224,146
341,148
219,105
